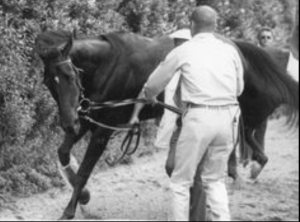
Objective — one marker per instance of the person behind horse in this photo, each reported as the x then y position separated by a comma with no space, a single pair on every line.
265,37
168,121
209,92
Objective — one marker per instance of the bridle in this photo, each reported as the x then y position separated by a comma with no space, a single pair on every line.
86,106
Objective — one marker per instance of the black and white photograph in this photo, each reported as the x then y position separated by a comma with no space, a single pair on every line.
149,110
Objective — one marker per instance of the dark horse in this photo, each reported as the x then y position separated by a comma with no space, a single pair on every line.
115,67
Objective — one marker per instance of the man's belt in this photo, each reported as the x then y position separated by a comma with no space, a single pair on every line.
228,106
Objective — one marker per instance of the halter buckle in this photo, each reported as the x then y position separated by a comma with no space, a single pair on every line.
84,106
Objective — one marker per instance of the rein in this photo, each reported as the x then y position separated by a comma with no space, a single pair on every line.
86,106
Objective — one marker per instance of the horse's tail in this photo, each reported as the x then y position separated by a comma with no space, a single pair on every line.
272,80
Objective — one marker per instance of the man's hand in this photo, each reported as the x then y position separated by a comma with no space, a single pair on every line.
151,101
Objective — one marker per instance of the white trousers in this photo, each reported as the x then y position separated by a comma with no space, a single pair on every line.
207,137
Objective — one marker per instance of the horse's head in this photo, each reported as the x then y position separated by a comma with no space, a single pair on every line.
62,79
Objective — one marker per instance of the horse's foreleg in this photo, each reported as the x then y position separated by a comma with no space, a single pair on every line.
65,149
68,165
95,149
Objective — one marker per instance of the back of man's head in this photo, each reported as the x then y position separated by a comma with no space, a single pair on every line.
204,19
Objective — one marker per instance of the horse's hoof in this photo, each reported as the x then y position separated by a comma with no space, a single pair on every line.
85,197
255,170
246,163
66,217
169,170
238,184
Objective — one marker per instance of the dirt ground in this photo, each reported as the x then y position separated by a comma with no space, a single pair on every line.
140,191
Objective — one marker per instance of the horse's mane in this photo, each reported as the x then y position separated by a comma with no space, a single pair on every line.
270,78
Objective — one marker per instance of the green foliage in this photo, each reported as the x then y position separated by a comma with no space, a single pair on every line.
29,131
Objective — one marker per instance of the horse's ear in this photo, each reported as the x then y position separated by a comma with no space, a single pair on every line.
67,48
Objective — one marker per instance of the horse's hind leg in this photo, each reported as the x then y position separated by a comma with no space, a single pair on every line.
258,153
95,149
260,134
233,172
68,166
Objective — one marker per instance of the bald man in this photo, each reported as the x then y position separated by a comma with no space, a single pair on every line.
169,131
211,73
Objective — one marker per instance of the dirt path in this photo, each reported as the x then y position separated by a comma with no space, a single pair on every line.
140,191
